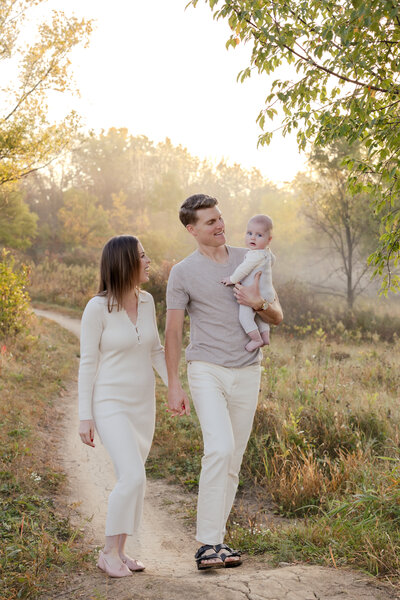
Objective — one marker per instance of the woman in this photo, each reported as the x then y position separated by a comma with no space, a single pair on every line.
119,348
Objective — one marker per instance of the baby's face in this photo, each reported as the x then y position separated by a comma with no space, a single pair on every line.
257,237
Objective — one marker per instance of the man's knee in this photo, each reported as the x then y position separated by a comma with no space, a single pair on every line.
222,454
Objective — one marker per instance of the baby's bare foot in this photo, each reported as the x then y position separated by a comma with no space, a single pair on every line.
252,345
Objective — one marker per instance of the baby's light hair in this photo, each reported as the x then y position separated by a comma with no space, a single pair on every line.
264,220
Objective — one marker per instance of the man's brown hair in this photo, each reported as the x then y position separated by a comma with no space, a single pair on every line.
189,208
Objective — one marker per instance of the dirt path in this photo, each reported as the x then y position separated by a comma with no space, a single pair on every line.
167,544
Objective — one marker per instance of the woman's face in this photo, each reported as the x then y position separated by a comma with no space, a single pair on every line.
144,265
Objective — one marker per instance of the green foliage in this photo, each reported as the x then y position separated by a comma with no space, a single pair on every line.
343,84
18,224
14,299
84,222
27,140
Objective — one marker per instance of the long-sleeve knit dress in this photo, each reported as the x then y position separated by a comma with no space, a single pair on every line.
117,390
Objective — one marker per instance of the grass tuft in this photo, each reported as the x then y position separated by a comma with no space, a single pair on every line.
38,543
324,449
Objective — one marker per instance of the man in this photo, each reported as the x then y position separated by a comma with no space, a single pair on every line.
224,378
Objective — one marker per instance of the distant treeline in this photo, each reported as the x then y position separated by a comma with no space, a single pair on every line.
113,183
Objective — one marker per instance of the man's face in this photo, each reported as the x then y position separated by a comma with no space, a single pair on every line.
209,230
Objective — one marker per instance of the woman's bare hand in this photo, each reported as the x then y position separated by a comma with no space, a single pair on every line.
86,431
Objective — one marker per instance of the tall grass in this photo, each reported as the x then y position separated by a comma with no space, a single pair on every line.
324,449
72,285
55,282
36,540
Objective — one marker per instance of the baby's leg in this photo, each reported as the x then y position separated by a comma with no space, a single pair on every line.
256,340
246,318
264,330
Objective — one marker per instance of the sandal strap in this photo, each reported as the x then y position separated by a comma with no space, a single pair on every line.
201,553
229,552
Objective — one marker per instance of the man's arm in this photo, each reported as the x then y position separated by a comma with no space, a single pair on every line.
250,296
178,402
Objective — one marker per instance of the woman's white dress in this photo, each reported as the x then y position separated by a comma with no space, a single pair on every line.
117,390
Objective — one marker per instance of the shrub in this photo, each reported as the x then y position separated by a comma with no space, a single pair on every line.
67,285
14,300
305,313
73,285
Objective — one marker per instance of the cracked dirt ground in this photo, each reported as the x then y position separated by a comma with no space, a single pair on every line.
167,545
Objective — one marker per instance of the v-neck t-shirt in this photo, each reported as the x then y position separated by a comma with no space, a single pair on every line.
216,335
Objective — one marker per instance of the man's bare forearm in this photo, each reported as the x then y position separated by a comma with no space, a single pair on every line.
250,296
173,344
173,349
178,401
273,316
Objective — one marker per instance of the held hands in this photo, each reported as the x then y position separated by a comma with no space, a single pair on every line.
86,431
178,402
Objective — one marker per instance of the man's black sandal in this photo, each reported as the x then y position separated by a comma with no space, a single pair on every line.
228,554
203,554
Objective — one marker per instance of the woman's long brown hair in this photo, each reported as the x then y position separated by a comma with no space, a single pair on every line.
119,269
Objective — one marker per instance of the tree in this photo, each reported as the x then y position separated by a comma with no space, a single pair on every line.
14,300
28,141
84,222
120,216
43,193
343,84
17,225
343,219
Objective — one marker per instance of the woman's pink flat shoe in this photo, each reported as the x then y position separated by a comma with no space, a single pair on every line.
133,564
122,570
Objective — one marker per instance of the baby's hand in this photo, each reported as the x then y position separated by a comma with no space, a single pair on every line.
227,281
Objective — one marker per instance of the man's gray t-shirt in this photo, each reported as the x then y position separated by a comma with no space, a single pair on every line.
216,335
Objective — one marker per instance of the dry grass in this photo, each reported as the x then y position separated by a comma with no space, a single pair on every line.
324,449
37,541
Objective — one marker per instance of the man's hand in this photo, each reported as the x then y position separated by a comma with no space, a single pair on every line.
178,402
250,296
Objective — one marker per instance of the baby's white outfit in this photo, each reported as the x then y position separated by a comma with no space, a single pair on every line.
117,390
254,261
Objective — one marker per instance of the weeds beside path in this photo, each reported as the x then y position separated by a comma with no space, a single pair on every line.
169,549
37,541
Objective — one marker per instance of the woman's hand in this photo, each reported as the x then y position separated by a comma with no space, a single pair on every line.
178,402
86,431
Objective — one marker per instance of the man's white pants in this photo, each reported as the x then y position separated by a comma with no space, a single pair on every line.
225,399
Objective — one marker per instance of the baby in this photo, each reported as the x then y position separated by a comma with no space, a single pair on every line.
258,258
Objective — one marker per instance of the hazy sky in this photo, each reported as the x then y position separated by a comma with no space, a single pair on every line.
164,72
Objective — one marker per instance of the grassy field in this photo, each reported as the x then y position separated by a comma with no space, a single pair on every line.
319,481
324,450
38,541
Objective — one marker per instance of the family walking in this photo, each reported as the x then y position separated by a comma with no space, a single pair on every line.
120,346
